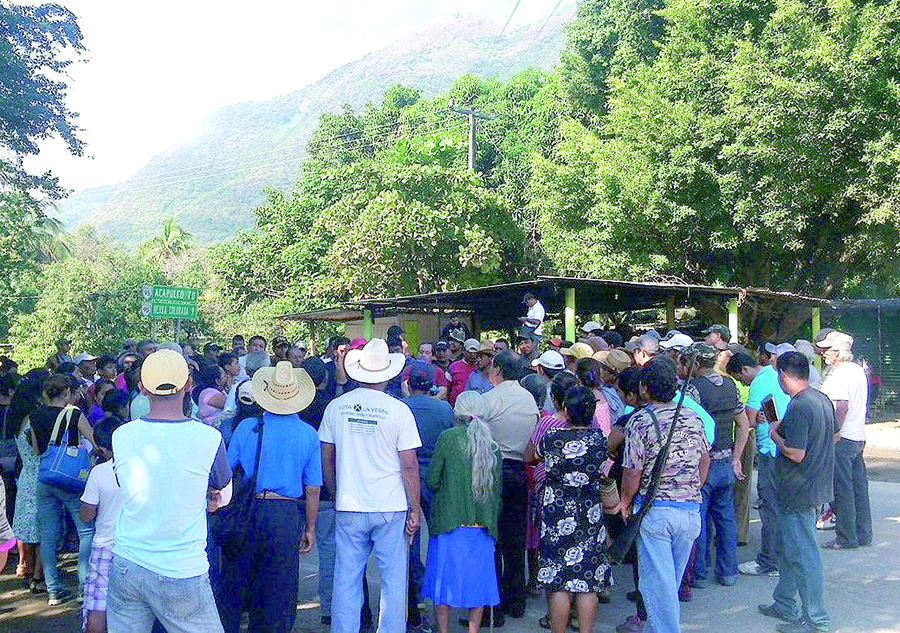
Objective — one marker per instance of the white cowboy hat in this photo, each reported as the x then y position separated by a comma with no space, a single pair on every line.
283,389
373,364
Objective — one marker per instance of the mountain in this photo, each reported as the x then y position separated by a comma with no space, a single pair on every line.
214,180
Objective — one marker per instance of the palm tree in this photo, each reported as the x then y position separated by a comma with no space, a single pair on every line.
173,240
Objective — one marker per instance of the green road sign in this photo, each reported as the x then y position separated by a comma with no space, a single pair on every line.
169,302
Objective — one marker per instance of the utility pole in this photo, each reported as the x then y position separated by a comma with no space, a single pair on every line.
473,116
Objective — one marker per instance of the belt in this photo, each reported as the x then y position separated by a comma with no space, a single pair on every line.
268,494
724,453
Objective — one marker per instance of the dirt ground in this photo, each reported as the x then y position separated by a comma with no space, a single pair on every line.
20,612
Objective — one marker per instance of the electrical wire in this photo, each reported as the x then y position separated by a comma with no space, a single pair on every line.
541,30
509,19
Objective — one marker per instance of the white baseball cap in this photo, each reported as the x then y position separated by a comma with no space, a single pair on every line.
677,341
551,359
590,326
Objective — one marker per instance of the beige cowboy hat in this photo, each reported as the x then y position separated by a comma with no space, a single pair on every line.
283,389
373,364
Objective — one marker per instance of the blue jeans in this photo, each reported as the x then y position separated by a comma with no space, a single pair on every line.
52,503
326,548
359,534
770,540
801,569
664,545
853,517
718,507
137,597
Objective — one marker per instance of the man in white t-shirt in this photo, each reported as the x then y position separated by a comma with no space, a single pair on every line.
172,470
534,318
847,388
369,442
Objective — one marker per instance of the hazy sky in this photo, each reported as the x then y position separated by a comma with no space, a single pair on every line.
154,71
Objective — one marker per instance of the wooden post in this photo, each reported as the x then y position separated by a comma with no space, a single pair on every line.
368,324
570,314
670,313
733,321
816,328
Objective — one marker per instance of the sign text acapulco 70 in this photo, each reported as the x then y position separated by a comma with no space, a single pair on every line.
169,302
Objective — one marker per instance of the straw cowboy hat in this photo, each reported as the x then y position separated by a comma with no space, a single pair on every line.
373,364
283,389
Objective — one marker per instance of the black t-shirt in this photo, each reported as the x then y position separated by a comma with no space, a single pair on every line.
42,422
809,424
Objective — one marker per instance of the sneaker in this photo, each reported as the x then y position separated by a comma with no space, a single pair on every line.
632,624
752,568
771,611
59,596
37,587
826,521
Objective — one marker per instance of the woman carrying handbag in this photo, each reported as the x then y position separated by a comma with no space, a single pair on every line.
57,431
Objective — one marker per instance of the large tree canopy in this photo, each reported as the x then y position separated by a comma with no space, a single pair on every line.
37,44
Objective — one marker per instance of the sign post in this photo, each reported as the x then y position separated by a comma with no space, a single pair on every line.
169,302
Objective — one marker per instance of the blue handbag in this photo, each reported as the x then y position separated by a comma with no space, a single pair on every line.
65,464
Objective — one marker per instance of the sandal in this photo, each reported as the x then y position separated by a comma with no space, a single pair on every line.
22,571
544,622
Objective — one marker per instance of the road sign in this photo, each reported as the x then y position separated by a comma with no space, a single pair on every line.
169,302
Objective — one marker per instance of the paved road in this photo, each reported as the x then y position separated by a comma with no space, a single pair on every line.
862,592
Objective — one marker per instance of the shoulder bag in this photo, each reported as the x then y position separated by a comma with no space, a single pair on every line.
623,544
65,464
231,525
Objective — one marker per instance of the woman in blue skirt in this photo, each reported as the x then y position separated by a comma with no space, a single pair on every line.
465,475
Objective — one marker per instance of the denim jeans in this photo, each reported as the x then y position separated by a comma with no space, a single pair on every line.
137,597
853,517
801,569
718,508
416,568
52,503
359,534
742,492
326,547
770,541
664,546
264,578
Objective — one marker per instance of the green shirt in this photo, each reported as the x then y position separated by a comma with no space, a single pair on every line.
450,476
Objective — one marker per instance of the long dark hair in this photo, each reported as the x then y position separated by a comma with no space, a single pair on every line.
208,377
27,397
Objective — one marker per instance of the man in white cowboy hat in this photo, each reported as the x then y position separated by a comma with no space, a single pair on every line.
369,443
263,577
171,469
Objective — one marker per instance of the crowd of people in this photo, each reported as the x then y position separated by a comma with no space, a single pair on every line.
528,463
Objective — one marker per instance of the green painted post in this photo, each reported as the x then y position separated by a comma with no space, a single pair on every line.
368,324
816,328
570,314
733,321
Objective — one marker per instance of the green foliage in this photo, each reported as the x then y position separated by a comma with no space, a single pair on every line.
173,240
93,298
36,44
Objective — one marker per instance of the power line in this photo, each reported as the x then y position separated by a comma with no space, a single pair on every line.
541,30
509,19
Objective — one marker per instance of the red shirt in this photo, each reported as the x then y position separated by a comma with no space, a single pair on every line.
459,376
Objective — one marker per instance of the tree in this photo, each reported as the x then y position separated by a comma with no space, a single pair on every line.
758,147
34,44
173,240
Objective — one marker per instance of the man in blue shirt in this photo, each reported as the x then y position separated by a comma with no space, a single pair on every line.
763,382
263,577
480,379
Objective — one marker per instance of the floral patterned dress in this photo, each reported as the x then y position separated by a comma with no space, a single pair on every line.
573,535
25,521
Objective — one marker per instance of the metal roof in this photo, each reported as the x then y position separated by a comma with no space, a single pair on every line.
498,305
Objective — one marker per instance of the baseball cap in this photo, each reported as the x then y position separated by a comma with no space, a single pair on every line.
245,393
458,335
486,347
441,345
211,347
358,343
781,348
654,334
280,340
164,372
471,345
720,329
550,359
590,326
84,356
706,354
823,334
737,348
836,340
676,341
301,344
525,334
578,350
644,342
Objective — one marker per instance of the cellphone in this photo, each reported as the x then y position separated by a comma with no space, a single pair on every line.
768,407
